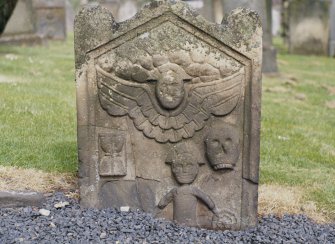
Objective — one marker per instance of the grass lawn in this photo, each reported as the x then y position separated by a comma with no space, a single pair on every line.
38,120
37,107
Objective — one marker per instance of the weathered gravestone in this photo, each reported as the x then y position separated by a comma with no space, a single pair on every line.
332,30
168,113
50,19
6,10
308,26
21,25
34,21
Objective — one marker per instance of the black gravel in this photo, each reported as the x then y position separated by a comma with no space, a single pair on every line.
71,224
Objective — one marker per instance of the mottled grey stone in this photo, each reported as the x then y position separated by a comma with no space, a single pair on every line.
12,199
169,113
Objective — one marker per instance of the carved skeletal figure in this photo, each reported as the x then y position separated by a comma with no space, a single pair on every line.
169,96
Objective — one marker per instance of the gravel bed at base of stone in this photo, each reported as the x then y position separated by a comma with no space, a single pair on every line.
68,223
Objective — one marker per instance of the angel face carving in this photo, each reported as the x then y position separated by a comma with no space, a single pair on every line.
170,96
170,90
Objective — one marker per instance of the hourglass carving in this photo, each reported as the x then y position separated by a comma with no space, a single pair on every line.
113,157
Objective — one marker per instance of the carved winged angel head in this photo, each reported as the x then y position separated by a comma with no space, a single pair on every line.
169,95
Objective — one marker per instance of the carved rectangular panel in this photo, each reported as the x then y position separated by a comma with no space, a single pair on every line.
168,113
112,154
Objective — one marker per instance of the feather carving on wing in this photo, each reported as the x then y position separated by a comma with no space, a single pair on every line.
169,97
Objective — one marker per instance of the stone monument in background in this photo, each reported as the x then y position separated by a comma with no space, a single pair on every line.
121,9
332,30
6,10
307,25
168,108
34,21
50,17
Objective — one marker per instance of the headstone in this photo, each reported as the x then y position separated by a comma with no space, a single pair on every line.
7,8
264,9
34,21
332,30
169,113
276,17
21,25
50,19
308,26
70,12
113,6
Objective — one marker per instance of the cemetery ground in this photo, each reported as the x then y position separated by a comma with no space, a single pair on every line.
38,148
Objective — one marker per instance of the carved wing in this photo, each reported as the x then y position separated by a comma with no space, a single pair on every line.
218,97
120,97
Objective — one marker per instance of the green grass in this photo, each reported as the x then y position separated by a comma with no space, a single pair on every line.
298,136
37,110
38,124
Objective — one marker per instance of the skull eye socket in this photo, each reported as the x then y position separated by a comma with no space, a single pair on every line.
228,141
215,143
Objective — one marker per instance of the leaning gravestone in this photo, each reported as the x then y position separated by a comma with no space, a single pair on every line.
168,113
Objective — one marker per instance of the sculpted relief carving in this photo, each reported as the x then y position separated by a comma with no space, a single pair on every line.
113,157
185,160
168,110
168,94
222,147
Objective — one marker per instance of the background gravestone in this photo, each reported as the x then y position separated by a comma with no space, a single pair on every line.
168,113
332,30
21,25
6,10
276,17
121,9
50,19
34,21
308,26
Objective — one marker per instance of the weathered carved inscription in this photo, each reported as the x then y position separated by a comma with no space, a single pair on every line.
168,114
